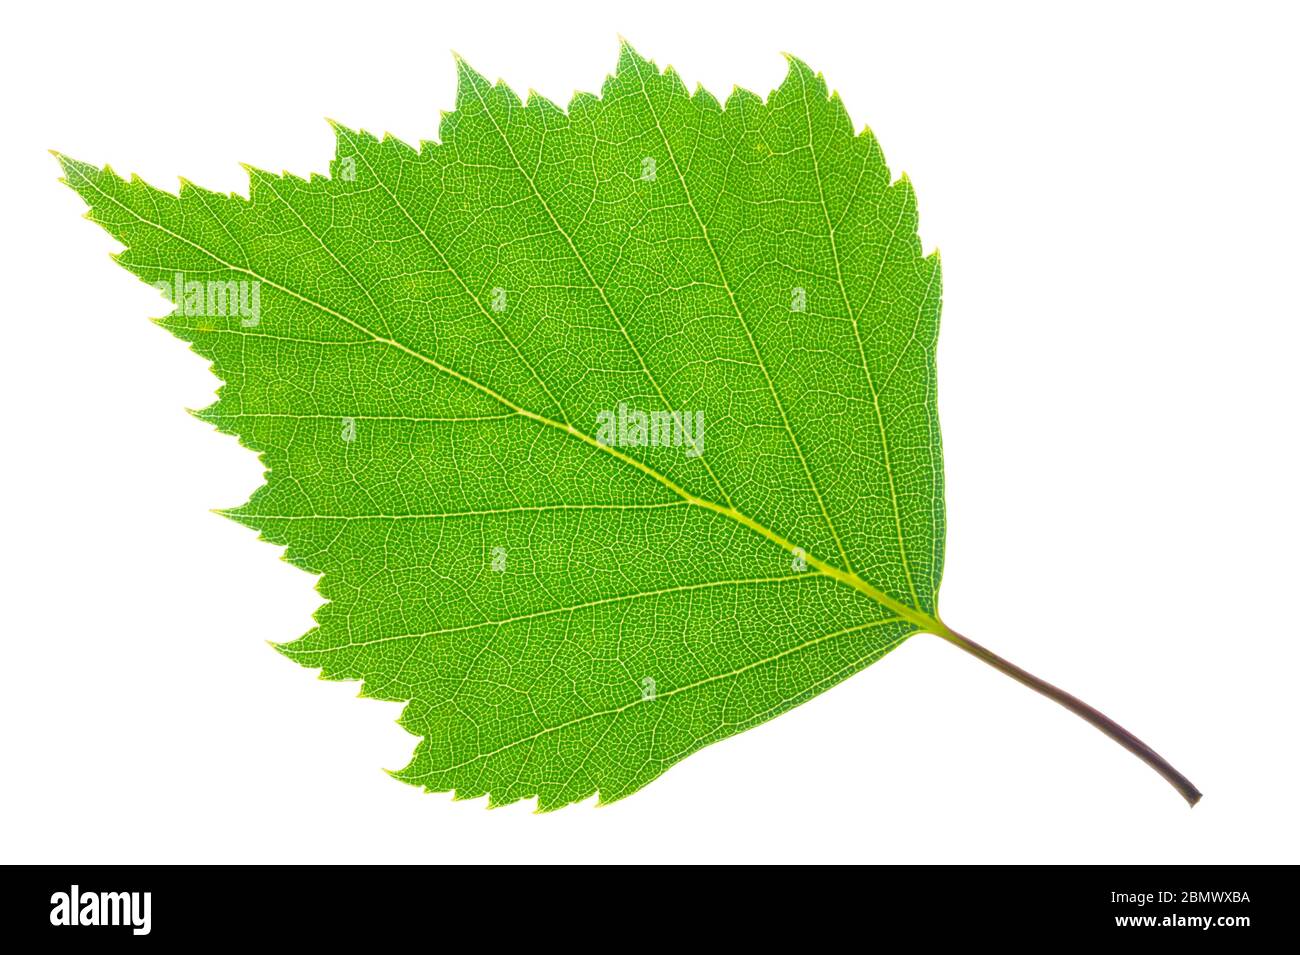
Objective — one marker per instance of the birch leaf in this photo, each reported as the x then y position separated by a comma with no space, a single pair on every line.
610,430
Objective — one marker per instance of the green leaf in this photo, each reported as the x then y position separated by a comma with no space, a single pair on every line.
441,355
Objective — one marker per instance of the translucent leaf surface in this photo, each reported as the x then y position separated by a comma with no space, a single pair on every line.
427,348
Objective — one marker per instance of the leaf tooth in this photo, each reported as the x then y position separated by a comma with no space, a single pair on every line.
628,55
741,98
470,83
541,104
580,102
705,100
675,82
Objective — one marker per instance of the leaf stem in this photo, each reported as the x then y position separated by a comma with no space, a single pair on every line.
1075,705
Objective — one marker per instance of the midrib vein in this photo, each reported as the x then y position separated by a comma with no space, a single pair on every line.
922,620
485,512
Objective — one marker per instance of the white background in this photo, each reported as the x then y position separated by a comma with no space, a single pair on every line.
1114,190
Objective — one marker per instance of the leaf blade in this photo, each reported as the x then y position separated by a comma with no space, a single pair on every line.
471,426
